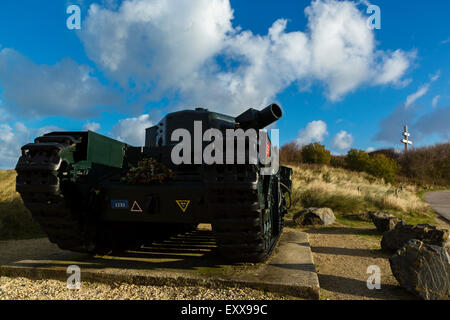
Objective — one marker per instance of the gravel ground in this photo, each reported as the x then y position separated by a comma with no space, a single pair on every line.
25,289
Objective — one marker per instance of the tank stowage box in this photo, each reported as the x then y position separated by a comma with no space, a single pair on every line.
94,194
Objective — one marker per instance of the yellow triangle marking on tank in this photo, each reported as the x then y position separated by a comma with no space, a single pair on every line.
183,204
135,207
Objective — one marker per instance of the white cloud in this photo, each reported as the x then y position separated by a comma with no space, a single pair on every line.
394,67
91,126
370,149
132,130
156,41
435,100
342,141
416,95
12,138
65,88
174,47
315,131
422,90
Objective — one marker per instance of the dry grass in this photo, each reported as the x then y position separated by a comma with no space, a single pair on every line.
15,220
349,192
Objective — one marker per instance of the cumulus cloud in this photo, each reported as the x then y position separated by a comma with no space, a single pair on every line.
12,138
132,130
315,131
65,88
370,149
92,126
342,140
192,50
157,44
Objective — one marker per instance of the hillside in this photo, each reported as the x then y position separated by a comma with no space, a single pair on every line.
15,219
349,193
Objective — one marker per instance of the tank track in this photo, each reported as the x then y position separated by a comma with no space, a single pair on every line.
244,231
39,183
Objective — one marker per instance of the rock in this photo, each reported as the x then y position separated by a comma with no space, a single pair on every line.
401,234
359,217
314,216
423,270
385,221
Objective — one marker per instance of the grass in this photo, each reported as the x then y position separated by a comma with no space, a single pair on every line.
348,193
15,219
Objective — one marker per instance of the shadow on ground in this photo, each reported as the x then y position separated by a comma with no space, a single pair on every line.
351,252
344,230
359,288
191,251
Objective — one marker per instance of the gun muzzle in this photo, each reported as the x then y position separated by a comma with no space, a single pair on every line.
259,119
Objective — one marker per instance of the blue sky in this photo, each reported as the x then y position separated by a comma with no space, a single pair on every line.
339,82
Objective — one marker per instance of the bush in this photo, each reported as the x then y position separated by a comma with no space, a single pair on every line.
338,162
383,167
291,153
427,165
316,153
357,160
378,165
390,153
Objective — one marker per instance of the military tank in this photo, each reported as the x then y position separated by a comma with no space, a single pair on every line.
94,194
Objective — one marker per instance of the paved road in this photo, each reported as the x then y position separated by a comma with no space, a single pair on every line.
440,201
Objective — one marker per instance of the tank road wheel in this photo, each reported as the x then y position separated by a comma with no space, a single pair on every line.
244,231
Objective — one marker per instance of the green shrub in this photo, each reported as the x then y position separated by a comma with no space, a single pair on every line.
383,167
316,153
338,162
377,165
357,160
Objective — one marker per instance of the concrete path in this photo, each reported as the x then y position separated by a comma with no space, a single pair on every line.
185,260
439,201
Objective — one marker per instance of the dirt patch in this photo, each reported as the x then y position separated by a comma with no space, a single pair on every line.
342,255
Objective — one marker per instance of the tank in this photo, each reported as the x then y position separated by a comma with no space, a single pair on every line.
94,194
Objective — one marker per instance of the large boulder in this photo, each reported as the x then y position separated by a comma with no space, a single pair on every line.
314,216
396,238
423,270
385,221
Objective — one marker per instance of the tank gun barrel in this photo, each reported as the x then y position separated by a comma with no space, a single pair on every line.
259,119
